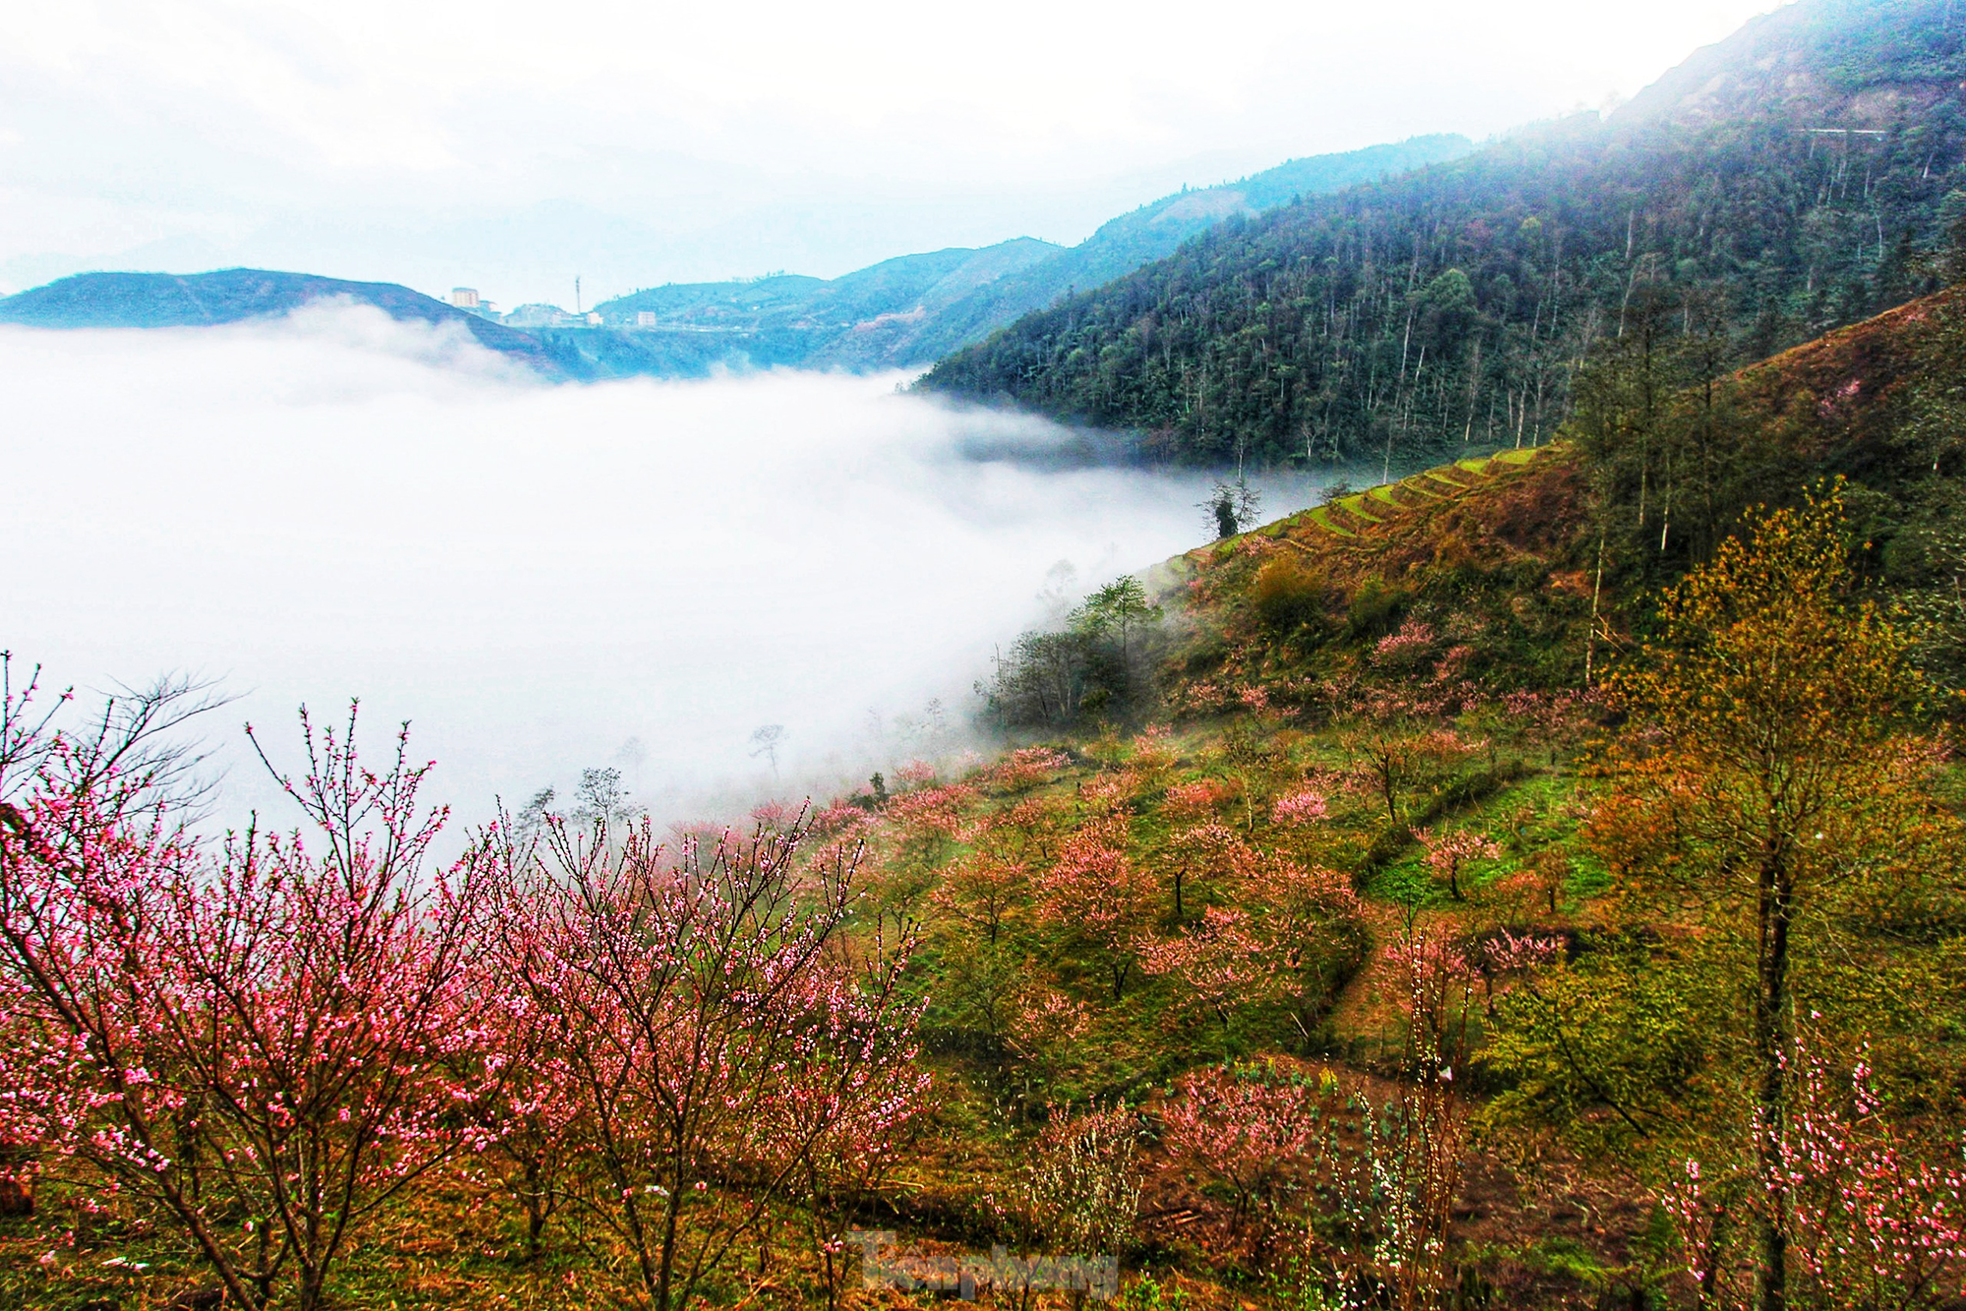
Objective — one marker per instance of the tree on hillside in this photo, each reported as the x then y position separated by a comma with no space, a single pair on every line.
1096,894
1232,507
766,740
1091,661
603,801
1672,465
724,1047
1770,794
1257,1138
1120,606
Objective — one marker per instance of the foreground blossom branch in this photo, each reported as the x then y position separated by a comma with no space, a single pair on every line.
254,1037
1867,1220
1416,1140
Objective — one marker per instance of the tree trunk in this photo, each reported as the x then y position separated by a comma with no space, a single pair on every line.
1775,911
671,1219
311,1296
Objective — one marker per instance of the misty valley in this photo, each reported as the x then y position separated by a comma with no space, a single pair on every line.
535,576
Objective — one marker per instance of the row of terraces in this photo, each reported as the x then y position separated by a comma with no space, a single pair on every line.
1360,518
1357,514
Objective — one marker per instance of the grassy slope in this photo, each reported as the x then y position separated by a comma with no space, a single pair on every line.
1510,519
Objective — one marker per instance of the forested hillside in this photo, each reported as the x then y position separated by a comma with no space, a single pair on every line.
1127,242
1454,305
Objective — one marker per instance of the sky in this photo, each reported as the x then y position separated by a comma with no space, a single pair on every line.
515,146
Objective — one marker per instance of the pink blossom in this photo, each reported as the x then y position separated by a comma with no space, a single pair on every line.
1200,797
1412,642
1298,808
1025,769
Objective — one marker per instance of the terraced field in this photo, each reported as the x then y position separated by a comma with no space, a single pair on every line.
1356,515
1358,518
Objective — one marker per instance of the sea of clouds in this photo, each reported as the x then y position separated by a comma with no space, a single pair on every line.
542,578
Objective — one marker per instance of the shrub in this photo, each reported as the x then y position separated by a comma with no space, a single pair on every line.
1375,610
1287,596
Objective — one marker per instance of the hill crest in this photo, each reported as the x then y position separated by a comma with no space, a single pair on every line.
166,300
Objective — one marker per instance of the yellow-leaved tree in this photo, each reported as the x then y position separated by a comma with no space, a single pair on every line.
1769,809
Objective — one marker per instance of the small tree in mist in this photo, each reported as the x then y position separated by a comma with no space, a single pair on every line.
602,801
1232,507
1120,606
1060,586
1092,662
530,823
766,739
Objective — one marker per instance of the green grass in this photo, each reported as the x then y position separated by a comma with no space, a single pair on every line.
1321,516
1355,505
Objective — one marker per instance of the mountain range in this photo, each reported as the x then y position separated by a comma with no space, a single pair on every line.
167,300
917,308
902,312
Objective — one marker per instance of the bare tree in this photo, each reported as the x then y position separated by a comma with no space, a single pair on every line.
134,751
765,741
603,801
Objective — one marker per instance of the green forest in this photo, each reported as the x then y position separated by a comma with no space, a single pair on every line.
1453,306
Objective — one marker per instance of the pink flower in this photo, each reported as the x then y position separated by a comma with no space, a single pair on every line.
1413,641
1198,797
1298,808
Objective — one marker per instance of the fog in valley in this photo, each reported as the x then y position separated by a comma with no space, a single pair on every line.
542,578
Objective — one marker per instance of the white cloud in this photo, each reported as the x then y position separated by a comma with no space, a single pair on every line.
341,505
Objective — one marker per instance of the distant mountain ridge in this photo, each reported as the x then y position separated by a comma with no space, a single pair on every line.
789,319
913,309
899,313
167,300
